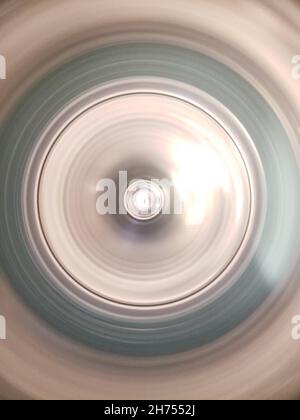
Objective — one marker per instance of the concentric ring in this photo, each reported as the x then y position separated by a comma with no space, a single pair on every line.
143,199
169,136
105,313
218,334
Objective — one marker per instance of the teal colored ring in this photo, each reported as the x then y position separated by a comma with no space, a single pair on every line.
275,254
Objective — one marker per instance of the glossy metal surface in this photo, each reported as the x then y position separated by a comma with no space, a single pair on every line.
178,254
147,304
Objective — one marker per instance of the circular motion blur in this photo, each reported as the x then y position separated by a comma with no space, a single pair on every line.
150,197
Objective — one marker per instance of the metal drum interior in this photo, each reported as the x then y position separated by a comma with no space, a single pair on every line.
148,302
